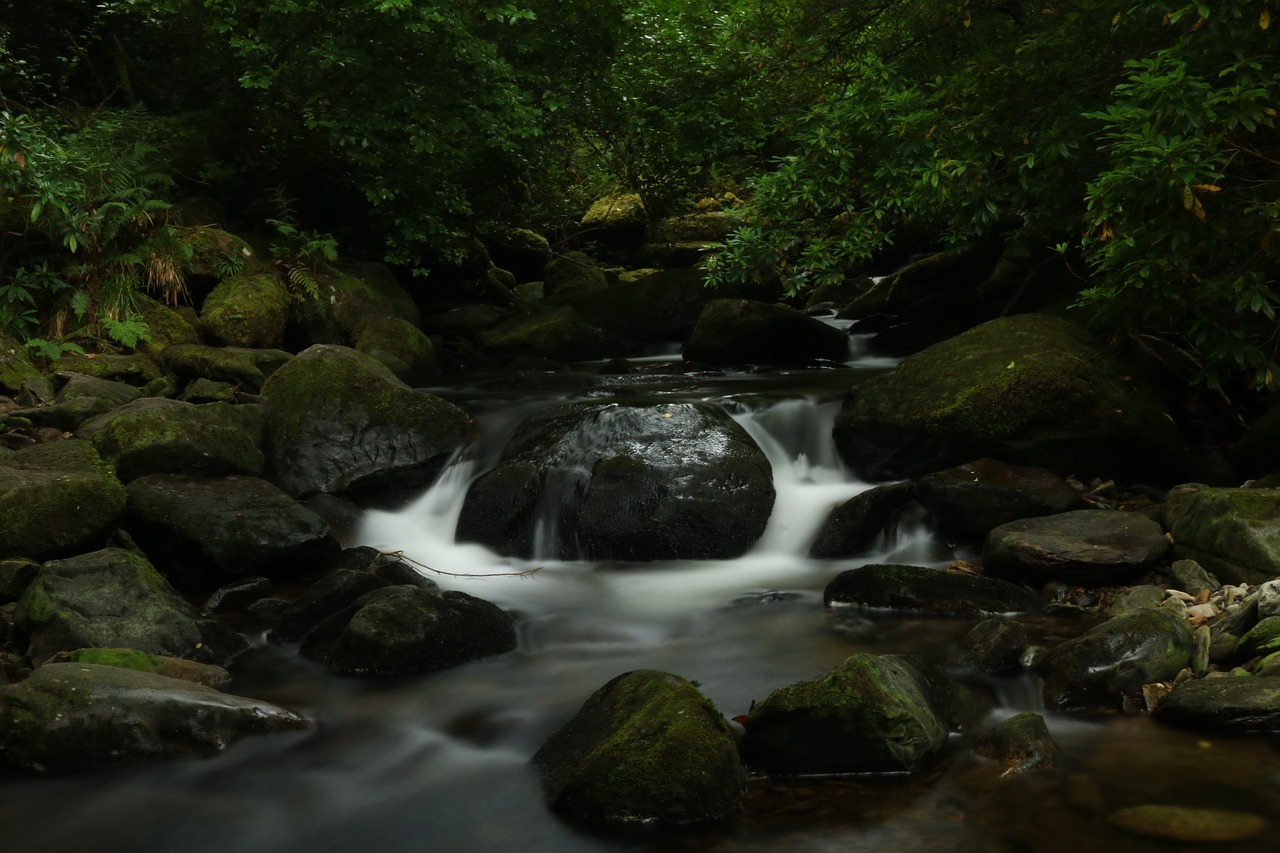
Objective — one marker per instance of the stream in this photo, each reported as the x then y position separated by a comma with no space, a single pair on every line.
441,762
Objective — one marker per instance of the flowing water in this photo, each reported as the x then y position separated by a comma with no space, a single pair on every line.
441,762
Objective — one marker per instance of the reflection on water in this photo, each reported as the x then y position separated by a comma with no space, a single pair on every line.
440,762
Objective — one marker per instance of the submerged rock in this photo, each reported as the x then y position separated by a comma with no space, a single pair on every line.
994,647
938,592
78,716
1086,546
623,482
647,747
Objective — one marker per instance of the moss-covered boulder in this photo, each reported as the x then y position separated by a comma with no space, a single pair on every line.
155,435
929,590
971,499
618,222
523,252
574,272
80,399
57,497
137,369
207,531
994,647
871,714
741,331
1239,703
16,574
645,748
79,716
164,325
16,369
1086,546
1234,533
348,297
1028,390
404,630
243,367
247,311
339,422
558,333
1021,743
399,345
662,306
623,482
116,599
207,674
1117,657
857,524
214,252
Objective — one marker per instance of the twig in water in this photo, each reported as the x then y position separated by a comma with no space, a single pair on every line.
527,573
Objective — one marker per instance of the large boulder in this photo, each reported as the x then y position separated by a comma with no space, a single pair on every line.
348,298
1239,704
522,252
1029,390
116,599
1234,533
969,500
646,748
929,590
207,531
247,311
573,273
857,524
16,369
399,345
79,716
552,332
662,306
623,482
155,435
741,331
244,367
57,497
871,714
1021,743
339,422
79,399
134,369
1086,546
618,222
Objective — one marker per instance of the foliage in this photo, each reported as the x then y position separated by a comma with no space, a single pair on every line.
300,254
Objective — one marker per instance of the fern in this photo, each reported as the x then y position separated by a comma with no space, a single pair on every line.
228,265
128,332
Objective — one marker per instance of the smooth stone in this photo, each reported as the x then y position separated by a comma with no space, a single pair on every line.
1086,546
1189,824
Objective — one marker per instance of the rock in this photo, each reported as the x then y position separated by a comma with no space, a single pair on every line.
740,331
214,253
1085,546
938,592
871,714
208,531
80,398
166,326
971,499
1114,658
1022,743
348,298
619,222
623,482
137,369
462,320
247,311
157,436
78,716
1191,578
116,599
242,367
405,630
183,670
572,273
209,391
525,253
339,422
554,332
1234,533
1189,824
57,497
660,307
332,594
1133,599
855,526
399,345
1262,639
1028,390
17,371
645,748
994,647
238,596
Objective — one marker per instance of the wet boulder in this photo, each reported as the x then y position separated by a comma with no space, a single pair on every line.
339,422
618,222
645,748
741,331
1028,390
15,576
1085,546
856,525
405,630
871,714
940,593
623,482
116,599
57,497
79,716
247,311
1115,658
210,675
1234,533
994,647
207,531
971,499
155,435
1021,743
1238,703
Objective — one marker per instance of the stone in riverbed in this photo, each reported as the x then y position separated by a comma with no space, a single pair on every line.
78,716
1085,546
155,435
994,647
938,592
647,747
740,331
853,527
1189,824
1022,743
1234,533
973,498
1224,703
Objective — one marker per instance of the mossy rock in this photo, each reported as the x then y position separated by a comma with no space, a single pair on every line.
184,670
618,222
994,647
247,311
16,575
57,497
136,369
244,367
1028,390
525,253
155,436
645,748
16,369
557,333
214,251
338,421
1225,703
933,591
347,298
116,599
80,399
80,716
1086,546
659,307
1234,533
400,346
574,272
166,326
741,331
1189,824
1021,743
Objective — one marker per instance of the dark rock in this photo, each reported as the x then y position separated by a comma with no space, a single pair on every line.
525,253
1086,546
739,331
1190,577
1029,390
348,298
116,599
645,748
971,499
77,716
1022,743
137,369
405,630
57,497
237,596
462,320
617,222
872,714
242,367
572,273
854,527
165,325
1234,533
79,399
934,591
994,647
1116,657
554,332
247,311
158,436
1185,824
1135,598
209,391
17,371
1231,703
620,482
337,421
332,594
15,576
662,306
399,345
185,670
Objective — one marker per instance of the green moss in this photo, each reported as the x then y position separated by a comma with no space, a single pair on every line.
123,658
